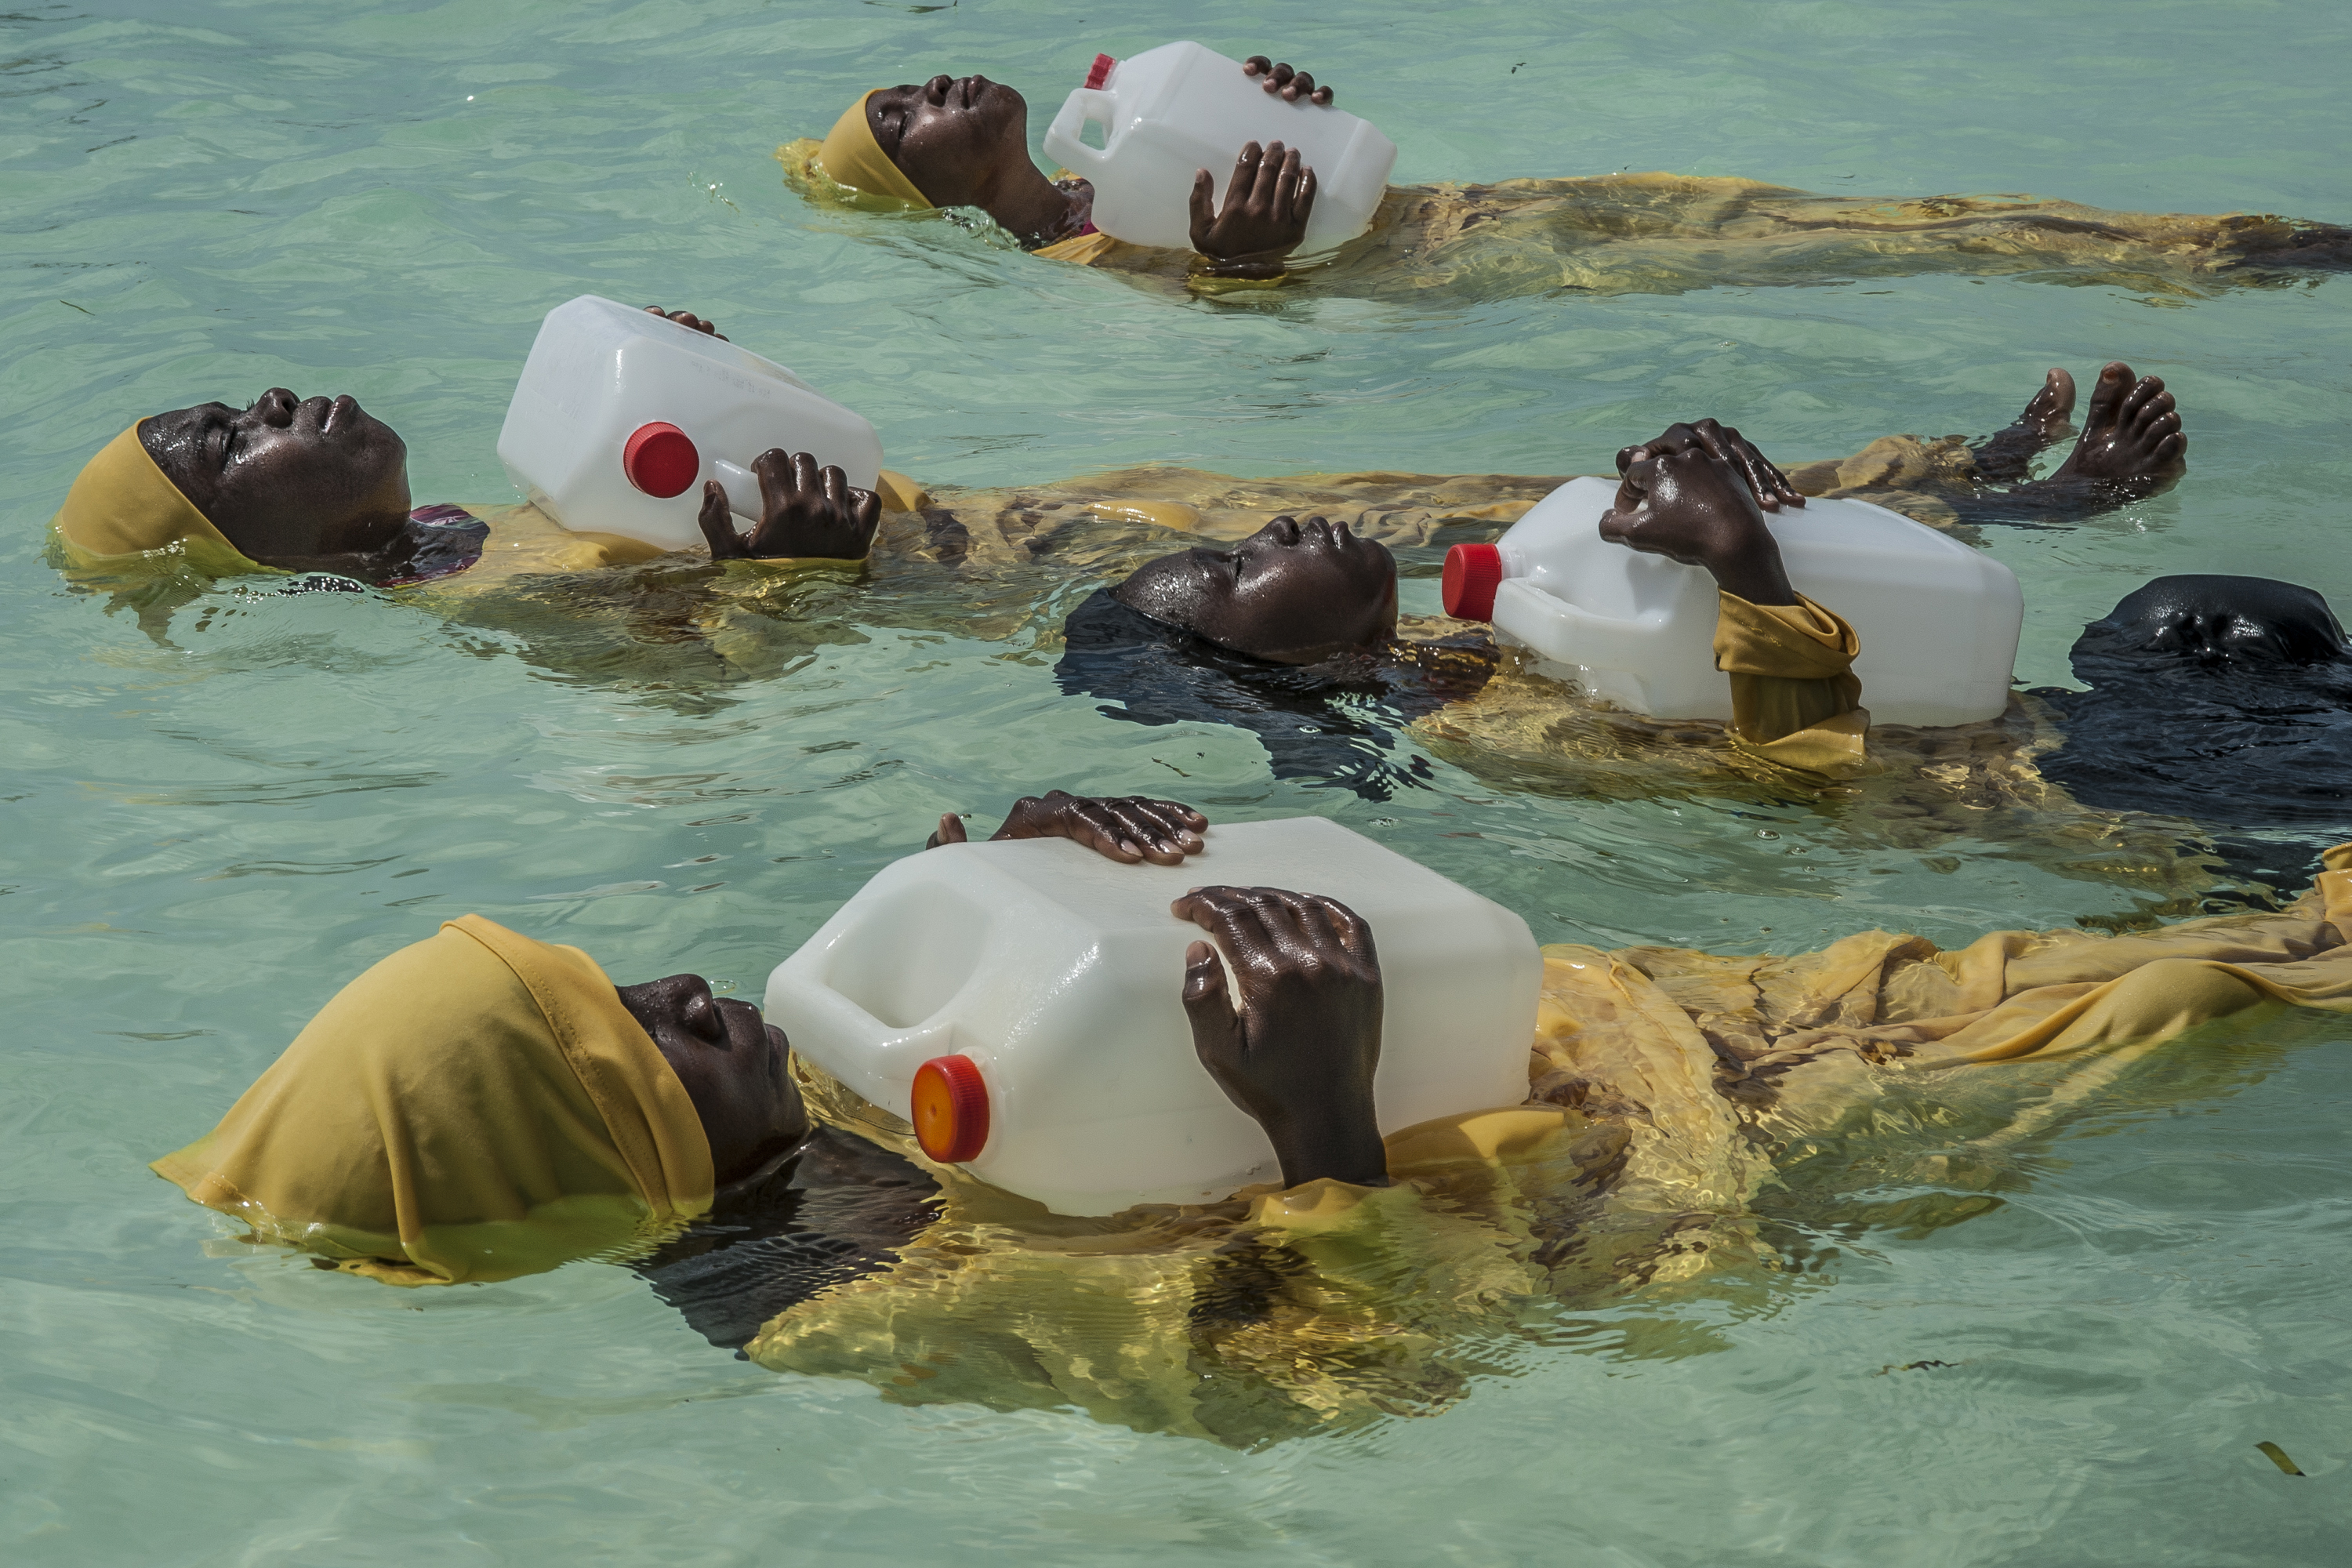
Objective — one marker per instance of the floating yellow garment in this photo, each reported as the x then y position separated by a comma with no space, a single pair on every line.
476,1107
1274,1314
1807,1041
1673,1087
122,505
1667,234
851,158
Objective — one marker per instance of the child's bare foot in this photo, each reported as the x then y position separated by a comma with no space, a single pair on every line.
2006,454
2132,442
2131,447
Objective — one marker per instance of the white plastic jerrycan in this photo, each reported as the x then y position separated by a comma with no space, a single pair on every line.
1020,1003
620,416
1938,621
1171,112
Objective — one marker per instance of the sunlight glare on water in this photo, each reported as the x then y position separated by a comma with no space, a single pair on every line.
210,830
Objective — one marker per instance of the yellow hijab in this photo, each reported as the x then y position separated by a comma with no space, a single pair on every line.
121,504
476,1107
851,158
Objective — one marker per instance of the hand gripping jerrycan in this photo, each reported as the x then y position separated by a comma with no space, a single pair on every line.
620,416
1938,621
1171,112
1021,1004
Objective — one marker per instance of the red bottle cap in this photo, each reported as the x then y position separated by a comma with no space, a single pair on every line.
660,460
1473,572
1100,73
950,1110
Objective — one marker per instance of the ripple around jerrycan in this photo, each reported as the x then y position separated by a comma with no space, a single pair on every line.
1033,989
621,415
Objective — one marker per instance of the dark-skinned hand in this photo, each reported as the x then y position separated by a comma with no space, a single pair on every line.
1301,1051
687,319
1692,506
1127,829
1265,218
1280,79
804,511
1767,483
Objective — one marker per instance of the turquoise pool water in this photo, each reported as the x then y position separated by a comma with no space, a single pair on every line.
206,834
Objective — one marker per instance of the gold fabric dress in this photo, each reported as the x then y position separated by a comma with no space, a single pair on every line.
1671,1092
1668,234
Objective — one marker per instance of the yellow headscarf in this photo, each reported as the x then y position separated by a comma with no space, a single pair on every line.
476,1107
850,157
121,504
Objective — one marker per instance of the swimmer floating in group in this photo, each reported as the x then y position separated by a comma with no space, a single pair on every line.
480,1106
964,141
320,485
1292,632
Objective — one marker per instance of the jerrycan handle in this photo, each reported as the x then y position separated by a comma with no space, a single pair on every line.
1062,137
741,485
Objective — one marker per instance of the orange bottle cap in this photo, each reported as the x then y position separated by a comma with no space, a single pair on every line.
951,1109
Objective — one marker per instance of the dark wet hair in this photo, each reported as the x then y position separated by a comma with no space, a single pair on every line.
2228,699
1334,724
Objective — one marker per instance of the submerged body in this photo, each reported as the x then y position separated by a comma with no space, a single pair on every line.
962,141
1669,233
1676,1099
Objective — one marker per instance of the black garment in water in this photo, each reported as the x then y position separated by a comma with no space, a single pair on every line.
1333,724
2224,699
839,1209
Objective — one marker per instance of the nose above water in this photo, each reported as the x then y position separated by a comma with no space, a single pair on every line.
275,406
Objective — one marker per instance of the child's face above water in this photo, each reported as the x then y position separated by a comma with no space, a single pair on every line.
950,135
289,480
1295,592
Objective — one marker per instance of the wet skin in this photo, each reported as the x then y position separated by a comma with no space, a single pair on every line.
316,484
1299,1050
1267,203
320,485
2131,447
964,142
1128,829
1695,494
1291,593
733,1067
805,511
2132,442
